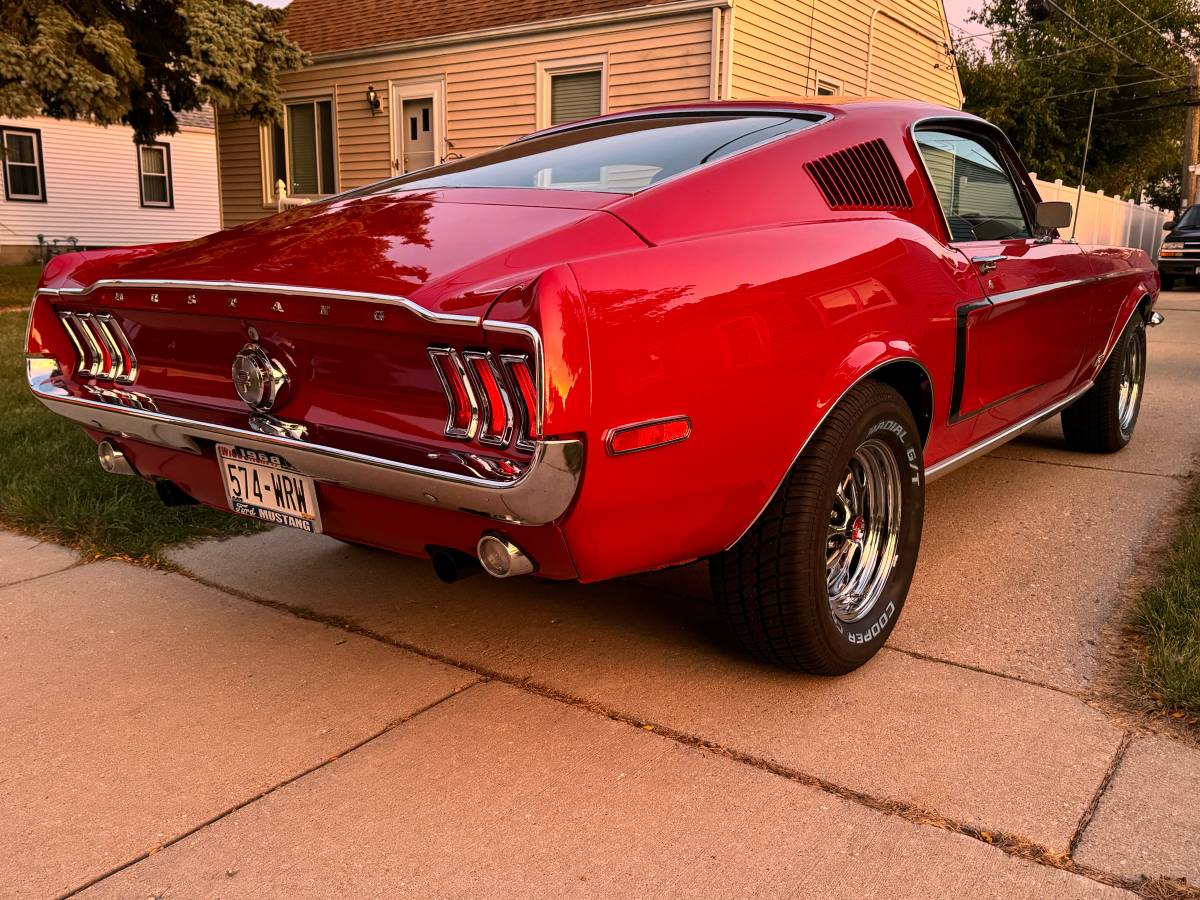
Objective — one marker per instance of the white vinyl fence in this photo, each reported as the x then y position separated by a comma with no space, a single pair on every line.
1109,220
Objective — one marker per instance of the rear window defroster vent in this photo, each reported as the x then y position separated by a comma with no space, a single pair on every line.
864,176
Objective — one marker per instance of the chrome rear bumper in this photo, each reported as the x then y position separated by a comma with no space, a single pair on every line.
539,494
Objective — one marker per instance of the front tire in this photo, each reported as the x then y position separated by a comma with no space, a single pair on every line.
818,582
1167,282
1103,419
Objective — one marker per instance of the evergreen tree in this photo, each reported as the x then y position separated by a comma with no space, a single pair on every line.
139,62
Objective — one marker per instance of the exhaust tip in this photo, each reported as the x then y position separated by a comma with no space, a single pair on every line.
172,494
501,558
452,565
112,460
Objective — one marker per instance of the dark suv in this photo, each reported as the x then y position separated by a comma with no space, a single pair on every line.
1179,255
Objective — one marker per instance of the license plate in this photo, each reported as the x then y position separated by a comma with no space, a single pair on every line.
264,486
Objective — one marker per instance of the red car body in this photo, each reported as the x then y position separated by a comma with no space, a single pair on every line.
735,301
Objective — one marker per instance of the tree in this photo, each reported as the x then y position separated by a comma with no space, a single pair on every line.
1037,79
139,62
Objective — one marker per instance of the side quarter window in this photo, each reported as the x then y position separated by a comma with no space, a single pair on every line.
976,192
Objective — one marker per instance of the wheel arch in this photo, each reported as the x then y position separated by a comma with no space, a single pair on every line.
906,374
912,381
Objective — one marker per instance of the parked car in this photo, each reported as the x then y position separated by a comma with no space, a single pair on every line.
743,332
1179,255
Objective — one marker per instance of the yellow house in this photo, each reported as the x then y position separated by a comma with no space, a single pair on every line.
396,86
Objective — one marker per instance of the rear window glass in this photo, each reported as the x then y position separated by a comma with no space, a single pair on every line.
618,157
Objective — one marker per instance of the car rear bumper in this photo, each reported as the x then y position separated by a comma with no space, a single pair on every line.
537,494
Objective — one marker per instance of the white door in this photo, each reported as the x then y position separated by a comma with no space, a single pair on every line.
417,126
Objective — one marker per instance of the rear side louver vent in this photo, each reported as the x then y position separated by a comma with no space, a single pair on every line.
860,177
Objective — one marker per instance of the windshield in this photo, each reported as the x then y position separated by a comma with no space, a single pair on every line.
1190,218
619,157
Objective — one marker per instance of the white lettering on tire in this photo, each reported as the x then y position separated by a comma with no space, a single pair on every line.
876,629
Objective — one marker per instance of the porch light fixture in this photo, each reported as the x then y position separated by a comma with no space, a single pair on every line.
372,99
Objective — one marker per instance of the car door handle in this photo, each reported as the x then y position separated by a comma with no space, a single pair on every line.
988,264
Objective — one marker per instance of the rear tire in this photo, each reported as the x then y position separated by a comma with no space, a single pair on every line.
818,582
1103,419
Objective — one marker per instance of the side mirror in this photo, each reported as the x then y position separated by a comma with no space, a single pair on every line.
1053,214
1169,226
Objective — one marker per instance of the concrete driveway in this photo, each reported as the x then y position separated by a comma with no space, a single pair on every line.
291,717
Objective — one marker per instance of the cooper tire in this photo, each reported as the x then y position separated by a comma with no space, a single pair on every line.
1103,419
775,589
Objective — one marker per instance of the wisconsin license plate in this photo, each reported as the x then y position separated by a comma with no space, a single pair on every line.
264,486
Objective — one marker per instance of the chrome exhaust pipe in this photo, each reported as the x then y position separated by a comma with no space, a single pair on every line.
452,565
113,461
501,558
1155,319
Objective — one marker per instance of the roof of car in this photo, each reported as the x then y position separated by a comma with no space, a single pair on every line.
899,110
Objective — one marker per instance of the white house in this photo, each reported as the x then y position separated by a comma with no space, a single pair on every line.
75,183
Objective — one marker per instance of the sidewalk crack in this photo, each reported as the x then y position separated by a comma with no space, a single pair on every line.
242,804
1010,844
1086,819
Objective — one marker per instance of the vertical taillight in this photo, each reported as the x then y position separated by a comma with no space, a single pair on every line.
496,420
520,375
102,350
490,398
463,415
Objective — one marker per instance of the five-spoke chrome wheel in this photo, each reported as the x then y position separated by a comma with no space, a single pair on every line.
1133,373
864,530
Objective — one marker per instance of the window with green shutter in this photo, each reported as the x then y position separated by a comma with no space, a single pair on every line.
575,95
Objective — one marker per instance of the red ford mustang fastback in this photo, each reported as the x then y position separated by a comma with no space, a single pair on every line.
747,332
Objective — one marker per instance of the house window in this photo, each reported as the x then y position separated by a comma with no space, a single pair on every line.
828,87
154,172
302,148
570,90
24,176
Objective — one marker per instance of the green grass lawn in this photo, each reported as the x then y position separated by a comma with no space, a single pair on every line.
17,284
50,483
1168,619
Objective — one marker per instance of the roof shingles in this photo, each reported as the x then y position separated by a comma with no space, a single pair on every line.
323,26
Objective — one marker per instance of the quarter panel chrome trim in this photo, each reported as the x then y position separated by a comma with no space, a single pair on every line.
541,494
254,287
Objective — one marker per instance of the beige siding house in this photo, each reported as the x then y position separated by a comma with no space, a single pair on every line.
395,87
73,183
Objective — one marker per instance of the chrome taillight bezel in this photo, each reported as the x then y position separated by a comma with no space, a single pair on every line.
519,421
97,337
485,433
451,356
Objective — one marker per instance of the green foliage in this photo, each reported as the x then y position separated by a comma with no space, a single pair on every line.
50,483
139,62
17,284
1037,80
1168,618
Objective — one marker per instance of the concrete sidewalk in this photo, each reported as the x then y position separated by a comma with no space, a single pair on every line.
381,733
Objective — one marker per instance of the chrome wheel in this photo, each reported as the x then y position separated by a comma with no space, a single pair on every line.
864,530
1133,372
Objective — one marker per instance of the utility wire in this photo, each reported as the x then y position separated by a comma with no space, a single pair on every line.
1109,43
1113,87
1170,38
1071,50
